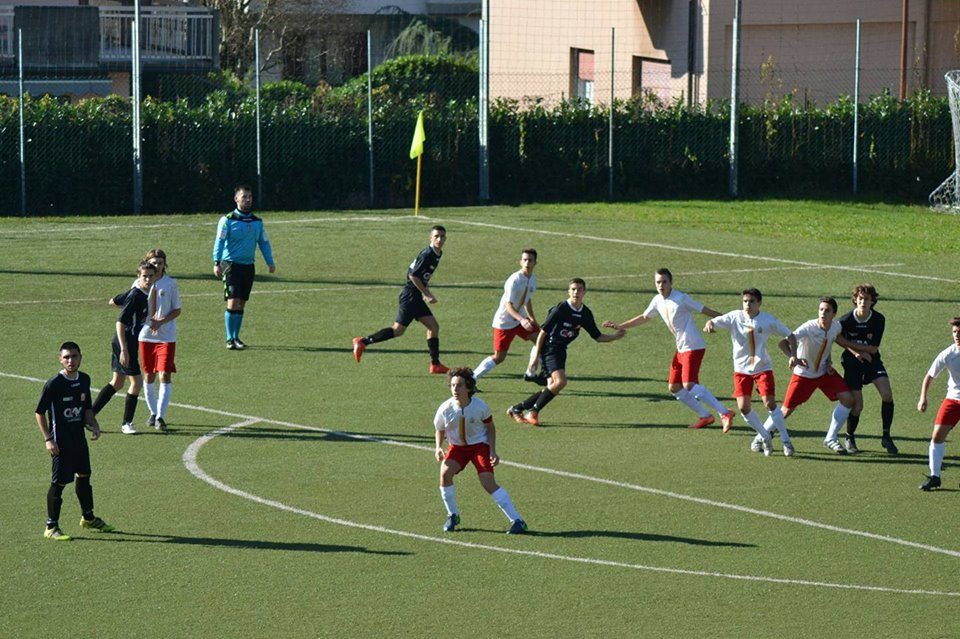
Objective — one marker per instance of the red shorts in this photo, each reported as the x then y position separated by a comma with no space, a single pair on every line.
478,454
949,413
743,384
158,357
502,337
685,366
801,388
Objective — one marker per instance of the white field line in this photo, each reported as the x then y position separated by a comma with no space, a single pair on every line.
684,249
190,462
560,473
358,287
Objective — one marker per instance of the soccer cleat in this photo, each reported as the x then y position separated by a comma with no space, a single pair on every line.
932,482
358,348
55,534
152,421
788,449
703,422
835,446
757,445
451,524
887,442
238,344
850,443
517,415
767,446
727,420
531,417
438,369
539,379
518,527
96,524
231,345
161,425
127,429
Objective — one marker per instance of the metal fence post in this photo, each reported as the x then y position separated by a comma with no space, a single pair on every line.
23,149
256,56
484,104
856,109
613,60
135,85
370,115
734,100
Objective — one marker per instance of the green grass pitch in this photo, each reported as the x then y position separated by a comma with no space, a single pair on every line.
319,515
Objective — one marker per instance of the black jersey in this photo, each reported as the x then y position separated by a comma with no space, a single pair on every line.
423,267
64,401
868,332
563,324
133,314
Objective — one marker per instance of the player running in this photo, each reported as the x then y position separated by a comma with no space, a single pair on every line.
949,413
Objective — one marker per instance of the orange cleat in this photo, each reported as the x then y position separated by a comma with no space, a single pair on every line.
358,348
703,422
727,420
438,369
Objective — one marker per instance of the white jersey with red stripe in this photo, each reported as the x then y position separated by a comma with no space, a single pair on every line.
464,426
749,337
518,289
949,358
813,345
677,311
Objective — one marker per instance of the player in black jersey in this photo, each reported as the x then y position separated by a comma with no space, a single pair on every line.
561,327
863,328
62,413
126,346
413,304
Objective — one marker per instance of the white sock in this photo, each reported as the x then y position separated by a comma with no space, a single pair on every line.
503,500
776,420
754,420
484,367
150,394
688,400
449,501
936,458
706,397
838,419
166,388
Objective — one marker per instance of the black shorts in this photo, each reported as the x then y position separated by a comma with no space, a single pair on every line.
554,359
412,307
74,458
133,351
858,374
237,280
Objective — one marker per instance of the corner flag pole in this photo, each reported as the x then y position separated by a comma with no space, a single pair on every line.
416,151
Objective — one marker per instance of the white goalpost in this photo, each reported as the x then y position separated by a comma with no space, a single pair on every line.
946,197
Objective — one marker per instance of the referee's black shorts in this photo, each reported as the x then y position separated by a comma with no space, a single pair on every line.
237,280
411,307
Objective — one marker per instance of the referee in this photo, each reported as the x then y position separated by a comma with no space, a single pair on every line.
234,249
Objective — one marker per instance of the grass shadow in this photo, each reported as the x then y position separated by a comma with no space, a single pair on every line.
120,536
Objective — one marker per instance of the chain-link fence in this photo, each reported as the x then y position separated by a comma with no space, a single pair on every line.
587,99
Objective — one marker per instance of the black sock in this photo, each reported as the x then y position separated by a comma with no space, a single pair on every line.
129,408
106,393
886,414
380,336
85,497
546,396
852,422
528,403
54,501
433,345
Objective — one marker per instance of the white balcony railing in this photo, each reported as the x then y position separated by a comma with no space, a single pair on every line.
167,34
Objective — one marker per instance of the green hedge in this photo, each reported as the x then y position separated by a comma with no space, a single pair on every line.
315,148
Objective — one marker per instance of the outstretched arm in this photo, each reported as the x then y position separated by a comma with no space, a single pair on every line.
630,323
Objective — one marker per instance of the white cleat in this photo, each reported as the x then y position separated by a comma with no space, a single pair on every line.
788,449
756,445
767,446
128,429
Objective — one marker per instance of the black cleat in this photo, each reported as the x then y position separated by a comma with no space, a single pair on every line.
932,482
161,425
539,379
850,443
887,442
451,524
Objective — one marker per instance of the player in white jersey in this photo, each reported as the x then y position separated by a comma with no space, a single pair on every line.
676,309
949,413
514,316
466,422
812,369
158,340
750,329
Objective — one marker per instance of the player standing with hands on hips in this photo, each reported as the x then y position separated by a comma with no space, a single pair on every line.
234,252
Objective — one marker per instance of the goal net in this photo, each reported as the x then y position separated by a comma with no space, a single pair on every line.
946,197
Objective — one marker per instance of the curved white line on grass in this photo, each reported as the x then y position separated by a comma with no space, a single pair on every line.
190,461
561,473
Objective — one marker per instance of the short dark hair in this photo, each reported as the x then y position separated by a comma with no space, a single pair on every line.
529,251
467,374
146,265
829,300
955,321
439,228
866,290
242,187
754,292
70,346
577,280
665,272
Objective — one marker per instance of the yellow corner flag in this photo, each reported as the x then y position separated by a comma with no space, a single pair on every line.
416,147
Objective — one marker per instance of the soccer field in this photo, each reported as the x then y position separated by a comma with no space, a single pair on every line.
296,492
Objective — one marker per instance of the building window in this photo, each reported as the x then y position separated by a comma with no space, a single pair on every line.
581,75
652,80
